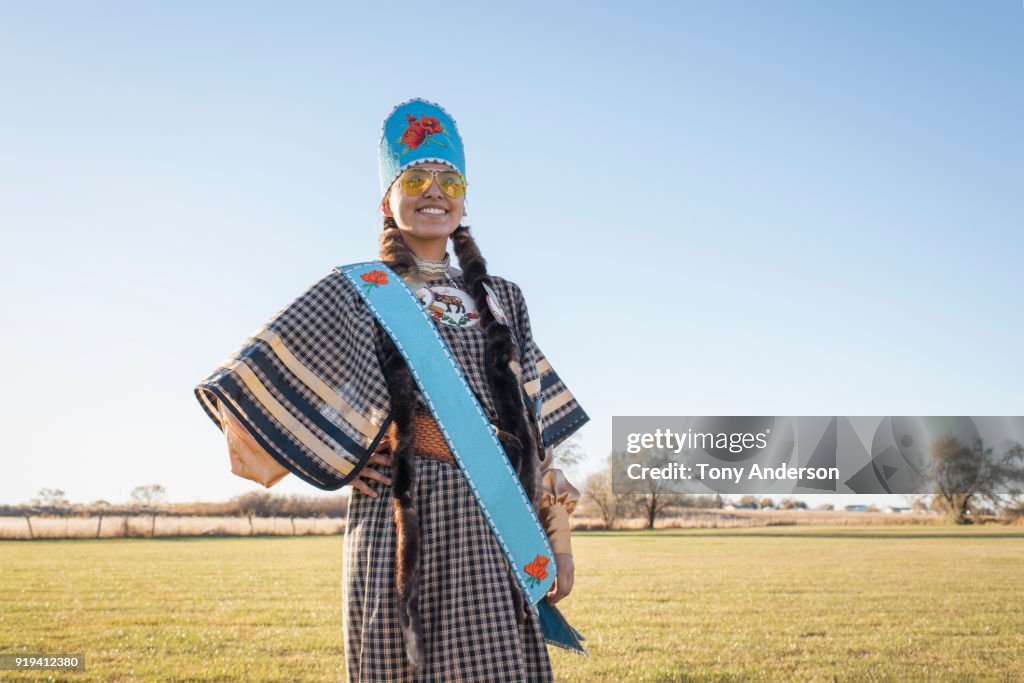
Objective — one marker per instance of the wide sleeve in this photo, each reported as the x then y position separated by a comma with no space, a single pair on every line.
304,391
558,413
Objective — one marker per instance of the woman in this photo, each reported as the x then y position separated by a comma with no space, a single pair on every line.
322,390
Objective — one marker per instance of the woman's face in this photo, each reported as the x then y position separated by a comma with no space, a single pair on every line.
427,219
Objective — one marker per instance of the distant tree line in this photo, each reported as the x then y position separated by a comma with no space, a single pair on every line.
151,500
969,481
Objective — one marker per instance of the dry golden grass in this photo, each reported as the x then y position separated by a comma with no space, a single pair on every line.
772,604
710,518
144,526
121,526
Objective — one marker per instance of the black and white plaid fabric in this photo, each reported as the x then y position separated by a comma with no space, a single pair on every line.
469,617
308,384
309,387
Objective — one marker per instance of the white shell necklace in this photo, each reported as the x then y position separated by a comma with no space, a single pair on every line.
434,268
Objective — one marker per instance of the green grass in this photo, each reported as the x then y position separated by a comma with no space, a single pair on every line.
772,604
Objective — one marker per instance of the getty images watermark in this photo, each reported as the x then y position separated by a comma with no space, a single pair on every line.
757,455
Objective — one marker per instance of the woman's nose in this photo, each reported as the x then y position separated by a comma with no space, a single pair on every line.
433,190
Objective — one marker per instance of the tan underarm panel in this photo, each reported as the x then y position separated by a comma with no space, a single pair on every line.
248,459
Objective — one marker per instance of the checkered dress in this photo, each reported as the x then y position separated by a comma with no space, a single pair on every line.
469,617
309,387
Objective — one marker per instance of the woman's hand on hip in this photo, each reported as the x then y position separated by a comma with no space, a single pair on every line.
563,579
360,483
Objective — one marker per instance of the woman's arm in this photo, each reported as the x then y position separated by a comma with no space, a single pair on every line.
558,500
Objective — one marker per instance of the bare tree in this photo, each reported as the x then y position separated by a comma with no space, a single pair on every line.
150,495
964,476
50,498
654,495
259,504
146,499
612,506
569,453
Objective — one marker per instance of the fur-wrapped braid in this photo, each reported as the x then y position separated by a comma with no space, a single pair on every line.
502,363
407,525
393,250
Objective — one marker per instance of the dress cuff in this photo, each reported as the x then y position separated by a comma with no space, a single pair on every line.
558,500
556,523
557,490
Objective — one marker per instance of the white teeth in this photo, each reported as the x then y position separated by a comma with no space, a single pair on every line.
433,211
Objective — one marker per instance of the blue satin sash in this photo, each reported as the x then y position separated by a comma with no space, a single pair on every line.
472,439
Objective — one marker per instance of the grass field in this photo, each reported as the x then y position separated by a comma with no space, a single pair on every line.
766,604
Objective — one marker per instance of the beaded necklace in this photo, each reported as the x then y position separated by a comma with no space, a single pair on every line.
435,268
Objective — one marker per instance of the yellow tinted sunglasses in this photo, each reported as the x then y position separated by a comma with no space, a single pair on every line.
415,181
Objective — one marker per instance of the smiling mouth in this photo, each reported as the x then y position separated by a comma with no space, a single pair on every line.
432,211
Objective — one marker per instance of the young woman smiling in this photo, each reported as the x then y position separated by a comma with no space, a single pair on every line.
429,593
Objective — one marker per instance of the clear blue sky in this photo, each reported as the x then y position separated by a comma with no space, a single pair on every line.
788,208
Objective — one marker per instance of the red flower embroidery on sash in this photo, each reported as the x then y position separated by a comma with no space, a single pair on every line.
537,570
373,279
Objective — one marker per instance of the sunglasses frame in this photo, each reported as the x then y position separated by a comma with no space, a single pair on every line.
433,178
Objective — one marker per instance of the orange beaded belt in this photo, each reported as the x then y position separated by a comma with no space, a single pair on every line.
428,441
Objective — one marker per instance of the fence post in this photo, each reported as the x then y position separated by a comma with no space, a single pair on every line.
28,520
99,525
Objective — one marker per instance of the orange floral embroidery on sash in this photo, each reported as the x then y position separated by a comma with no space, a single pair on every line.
537,570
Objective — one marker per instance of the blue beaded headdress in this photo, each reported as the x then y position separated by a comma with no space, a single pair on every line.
418,131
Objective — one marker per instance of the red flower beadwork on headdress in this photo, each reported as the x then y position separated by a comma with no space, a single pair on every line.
414,135
420,131
430,124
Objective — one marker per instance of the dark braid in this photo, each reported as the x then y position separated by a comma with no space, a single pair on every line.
502,369
501,357
393,250
403,411
501,354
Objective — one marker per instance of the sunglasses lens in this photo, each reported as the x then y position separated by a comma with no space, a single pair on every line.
415,182
451,183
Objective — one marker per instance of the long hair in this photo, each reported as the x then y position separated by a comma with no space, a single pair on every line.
520,438
517,428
